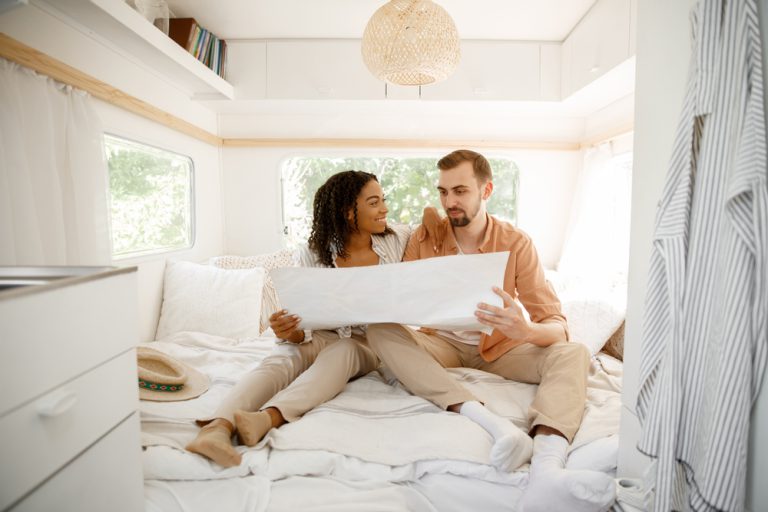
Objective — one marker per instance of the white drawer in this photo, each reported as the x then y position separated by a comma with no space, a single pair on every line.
53,335
40,437
107,477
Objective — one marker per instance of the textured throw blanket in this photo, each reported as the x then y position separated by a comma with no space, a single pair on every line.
373,430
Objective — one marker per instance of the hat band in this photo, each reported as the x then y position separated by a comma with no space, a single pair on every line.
153,386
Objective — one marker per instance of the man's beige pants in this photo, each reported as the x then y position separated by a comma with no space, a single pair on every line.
418,360
298,378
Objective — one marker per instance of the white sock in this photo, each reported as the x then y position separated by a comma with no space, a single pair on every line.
511,446
552,487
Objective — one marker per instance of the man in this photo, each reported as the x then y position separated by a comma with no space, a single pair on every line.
535,351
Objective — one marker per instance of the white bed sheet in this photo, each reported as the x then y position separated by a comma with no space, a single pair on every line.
360,451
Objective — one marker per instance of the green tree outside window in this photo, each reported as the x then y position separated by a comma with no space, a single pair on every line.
150,198
409,185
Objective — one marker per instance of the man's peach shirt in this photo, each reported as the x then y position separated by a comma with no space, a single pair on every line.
523,279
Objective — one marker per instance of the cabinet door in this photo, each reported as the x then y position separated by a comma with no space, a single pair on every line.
247,69
551,56
491,70
402,92
600,42
60,424
56,334
106,477
319,70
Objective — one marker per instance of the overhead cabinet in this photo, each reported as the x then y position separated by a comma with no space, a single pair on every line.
600,42
492,70
333,69
319,69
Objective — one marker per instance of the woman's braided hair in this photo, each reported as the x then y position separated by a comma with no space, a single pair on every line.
333,201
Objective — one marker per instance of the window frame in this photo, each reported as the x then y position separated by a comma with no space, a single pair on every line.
192,202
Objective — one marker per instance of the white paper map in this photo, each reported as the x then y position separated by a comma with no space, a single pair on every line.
442,293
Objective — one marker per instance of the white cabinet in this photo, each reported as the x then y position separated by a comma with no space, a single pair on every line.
68,389
319,69
599,43
492,70
551,69
103,478
402,92
246,69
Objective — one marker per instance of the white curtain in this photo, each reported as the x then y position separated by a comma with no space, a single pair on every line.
53,174
596,248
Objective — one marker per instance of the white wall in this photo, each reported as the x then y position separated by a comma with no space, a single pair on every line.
252,194
209,238
663,48
391,119
663,51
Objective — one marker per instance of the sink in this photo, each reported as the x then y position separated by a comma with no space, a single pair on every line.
16,277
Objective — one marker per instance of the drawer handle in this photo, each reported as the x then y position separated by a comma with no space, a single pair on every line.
56,404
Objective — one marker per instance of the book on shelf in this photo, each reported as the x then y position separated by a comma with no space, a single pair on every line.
199,42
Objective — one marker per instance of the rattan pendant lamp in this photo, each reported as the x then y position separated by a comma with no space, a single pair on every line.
411,42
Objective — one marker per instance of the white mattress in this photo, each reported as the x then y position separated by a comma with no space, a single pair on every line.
374,447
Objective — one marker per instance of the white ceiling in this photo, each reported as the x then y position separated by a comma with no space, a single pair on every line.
529,20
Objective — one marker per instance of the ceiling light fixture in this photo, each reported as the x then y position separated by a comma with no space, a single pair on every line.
411,42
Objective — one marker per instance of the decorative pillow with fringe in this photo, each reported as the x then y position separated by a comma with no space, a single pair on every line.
269,299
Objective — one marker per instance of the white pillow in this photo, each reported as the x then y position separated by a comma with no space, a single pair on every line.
591,321
207,299
270,302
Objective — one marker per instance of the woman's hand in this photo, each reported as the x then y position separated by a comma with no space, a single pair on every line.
509,319
432,226
285,326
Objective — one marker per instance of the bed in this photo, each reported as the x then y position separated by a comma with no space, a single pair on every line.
375,447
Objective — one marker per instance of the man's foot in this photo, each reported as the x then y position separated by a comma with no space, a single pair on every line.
213,442
252,426
551,487
511,446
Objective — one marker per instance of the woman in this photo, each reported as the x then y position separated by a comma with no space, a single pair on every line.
349,229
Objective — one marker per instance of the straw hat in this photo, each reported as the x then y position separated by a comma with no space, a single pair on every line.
163,379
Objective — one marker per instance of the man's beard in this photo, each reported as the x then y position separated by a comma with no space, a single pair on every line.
464,220
459,222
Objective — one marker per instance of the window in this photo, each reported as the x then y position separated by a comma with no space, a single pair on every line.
150,198
409,184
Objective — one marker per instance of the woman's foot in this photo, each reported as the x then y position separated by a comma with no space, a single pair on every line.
213,442
253,426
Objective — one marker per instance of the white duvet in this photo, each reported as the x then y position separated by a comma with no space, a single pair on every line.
373,432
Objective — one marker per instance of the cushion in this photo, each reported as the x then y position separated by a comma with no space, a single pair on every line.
594,307
270,261
211,300
615,345
592,321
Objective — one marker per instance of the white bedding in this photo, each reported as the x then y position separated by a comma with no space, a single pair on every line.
373,447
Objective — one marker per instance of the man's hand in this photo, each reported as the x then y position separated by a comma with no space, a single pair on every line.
285,326
509,319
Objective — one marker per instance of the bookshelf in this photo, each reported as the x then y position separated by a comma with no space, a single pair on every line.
200,42
116,24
